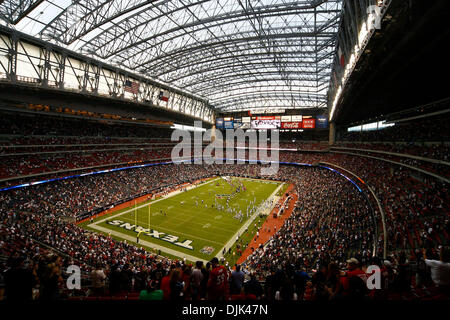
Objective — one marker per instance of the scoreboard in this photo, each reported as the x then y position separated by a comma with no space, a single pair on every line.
285,122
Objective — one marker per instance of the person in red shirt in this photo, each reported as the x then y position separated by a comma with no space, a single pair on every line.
243,296
218,281
353,271
165,284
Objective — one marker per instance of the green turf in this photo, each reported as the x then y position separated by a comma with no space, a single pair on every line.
204,226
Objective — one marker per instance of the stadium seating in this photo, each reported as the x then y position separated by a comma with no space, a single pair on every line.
328,225
307,240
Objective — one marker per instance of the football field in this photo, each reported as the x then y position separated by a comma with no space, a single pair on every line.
195,224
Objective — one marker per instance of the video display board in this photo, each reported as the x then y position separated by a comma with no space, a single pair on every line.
266,124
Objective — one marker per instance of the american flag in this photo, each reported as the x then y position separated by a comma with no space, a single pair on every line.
132,87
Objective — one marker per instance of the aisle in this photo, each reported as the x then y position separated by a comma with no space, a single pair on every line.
271,223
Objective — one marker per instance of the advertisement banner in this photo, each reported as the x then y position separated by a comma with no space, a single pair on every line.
291,125
286,118
309,123
228,125
322,122
266,124
219,123
246,119
238,125
297,118
268,118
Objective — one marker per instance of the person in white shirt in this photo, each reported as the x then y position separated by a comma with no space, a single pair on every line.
440,269
98,280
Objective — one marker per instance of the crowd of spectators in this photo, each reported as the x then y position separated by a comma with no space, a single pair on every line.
438,168
416,207
29,124
14,166
333,221
78,156
330,225
73,197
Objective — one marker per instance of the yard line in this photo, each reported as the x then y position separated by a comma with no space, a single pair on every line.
198,223
146,205
188,213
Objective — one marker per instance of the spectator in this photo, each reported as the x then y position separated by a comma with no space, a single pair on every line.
354,270
253,286
176,285
237,280
217,282
98,280
440,269
151,292
18,281
196,280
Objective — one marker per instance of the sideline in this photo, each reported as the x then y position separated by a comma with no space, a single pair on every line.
271,222
241,230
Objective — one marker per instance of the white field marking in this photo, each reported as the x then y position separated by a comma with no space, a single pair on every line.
165,249
232,240
145,205
206,226
169,207
189,215
174,232
218,217
149,244
181,214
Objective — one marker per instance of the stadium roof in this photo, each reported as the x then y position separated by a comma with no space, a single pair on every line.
238,54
